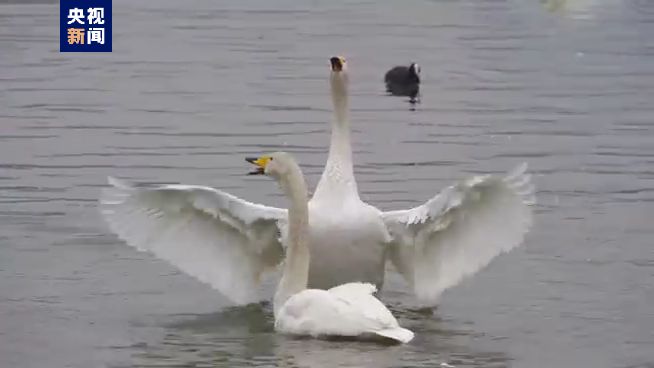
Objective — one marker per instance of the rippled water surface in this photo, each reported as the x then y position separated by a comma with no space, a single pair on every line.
192,87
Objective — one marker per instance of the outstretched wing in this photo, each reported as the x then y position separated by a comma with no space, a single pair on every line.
460,230
214,236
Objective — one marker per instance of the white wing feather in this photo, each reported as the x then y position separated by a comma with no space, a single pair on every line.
213,236
353,290
460,230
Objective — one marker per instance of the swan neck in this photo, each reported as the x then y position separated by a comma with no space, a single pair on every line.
339,171
340,147
340,98
295,273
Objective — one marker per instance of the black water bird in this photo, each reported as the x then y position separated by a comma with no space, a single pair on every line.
403,81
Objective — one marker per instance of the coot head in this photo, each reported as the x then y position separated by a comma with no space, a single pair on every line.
414,72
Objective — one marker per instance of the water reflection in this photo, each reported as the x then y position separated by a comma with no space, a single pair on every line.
244,336
576,9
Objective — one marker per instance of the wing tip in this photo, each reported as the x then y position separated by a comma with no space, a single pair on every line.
518,171
521,183
115,194
118,183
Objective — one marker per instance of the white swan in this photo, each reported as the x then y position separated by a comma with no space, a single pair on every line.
346,310
228,242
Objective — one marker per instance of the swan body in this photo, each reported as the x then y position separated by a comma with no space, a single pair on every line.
348,237
348,310
229,243
348,241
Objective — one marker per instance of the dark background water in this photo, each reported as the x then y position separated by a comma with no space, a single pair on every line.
192,87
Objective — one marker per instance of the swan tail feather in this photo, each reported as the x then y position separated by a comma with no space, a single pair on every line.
399,334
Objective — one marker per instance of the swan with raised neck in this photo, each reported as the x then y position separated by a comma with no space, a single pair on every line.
338,177
295,274
349,309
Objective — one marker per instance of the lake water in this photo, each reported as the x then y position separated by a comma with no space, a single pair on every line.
193,87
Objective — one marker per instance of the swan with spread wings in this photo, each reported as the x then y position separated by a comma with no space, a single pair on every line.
228,242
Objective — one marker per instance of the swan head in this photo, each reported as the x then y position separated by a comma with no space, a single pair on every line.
338,76
339,69
338,64
277,164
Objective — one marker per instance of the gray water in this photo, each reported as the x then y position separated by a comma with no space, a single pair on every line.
192,87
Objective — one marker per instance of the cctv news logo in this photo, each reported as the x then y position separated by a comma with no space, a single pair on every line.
85,25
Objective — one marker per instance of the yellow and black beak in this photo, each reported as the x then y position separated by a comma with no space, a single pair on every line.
337,62
260,162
